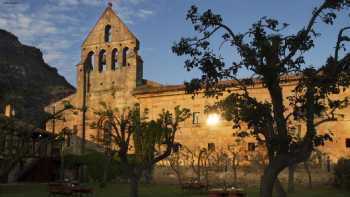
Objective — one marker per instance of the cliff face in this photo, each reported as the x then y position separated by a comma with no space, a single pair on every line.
26,81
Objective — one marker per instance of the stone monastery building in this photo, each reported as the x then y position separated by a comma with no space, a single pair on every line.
114,76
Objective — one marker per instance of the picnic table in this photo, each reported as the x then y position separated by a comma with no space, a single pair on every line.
226,192
68,189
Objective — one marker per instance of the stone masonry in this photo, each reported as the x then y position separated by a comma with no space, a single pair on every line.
112,70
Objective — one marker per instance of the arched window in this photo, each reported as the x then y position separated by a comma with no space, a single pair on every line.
108,33
114,59
90,61
125,56
102,61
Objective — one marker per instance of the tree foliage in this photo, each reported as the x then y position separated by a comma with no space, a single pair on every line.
139,142
16,143
274,57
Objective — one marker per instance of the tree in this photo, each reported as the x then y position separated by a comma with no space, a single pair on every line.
17,138
199,161
56,115
140,143
272,56
175,163
237,151
16,143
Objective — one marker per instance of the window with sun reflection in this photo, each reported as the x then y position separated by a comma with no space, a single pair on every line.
213,119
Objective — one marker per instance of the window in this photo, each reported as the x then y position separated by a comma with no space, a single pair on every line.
114,59
251,146
108,33
9,110
177,147
347,142
231,147
195,118
102,61
211,146
125,56
90,61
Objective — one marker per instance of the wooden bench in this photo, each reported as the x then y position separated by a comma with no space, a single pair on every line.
61,189
82,191
66,189
220,192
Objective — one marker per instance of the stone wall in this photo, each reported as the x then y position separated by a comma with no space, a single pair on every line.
123,86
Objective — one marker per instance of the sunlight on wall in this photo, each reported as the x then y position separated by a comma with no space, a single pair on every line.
213,119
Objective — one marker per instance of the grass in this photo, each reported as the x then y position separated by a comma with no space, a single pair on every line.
121,190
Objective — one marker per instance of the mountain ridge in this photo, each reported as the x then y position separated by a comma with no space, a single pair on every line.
26,81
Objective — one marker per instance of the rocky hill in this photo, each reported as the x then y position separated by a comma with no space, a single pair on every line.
27,81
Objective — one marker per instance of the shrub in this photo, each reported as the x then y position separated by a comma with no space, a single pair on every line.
95,162
342,173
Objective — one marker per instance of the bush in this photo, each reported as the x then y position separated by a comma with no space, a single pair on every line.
342,173
95,163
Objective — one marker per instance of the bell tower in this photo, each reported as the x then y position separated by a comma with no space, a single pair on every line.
109,69
110,63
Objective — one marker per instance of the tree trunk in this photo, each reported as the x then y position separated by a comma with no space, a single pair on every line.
280,192
105,171
206,178
235,176
267,182
148,174
62,167
134,186
179,178
306,165
270,177
177,169
291,171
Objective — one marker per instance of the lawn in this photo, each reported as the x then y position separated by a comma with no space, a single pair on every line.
120,190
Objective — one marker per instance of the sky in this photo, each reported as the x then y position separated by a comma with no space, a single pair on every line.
58,27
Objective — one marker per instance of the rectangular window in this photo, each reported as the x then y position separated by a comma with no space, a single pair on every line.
195,118
347,142
231,147
211,146
177,147
251,146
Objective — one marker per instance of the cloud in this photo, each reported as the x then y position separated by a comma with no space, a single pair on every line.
58,27
57,43
142,13
78,2
135,2
53,55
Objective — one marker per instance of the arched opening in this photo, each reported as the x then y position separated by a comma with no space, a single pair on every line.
114,59
89,66
102,61
125,56
108,33
90,61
